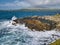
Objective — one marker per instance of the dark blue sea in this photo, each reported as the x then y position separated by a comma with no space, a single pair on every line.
21,35
10,14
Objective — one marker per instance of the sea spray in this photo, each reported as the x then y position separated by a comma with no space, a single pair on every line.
14,17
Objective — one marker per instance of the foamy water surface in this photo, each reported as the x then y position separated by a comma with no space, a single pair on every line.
21,35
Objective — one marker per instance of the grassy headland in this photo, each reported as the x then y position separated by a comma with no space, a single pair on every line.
33,9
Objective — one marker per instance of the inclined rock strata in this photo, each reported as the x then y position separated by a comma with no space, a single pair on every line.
37,23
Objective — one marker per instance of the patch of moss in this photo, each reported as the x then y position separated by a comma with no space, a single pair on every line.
57,42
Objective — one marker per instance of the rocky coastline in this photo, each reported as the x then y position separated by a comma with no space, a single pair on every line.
40,23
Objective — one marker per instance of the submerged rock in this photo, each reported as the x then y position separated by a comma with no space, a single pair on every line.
37,23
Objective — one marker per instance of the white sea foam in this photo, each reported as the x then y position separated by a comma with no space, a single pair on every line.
13,18
21,35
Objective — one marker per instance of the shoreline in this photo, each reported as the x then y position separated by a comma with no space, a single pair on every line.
40,23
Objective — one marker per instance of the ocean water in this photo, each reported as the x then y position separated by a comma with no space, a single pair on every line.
19,14
21,35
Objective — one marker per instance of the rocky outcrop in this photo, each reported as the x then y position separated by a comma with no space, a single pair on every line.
36,22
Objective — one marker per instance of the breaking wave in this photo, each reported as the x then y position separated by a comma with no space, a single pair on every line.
21,35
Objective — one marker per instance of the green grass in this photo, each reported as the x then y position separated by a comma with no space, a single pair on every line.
57,42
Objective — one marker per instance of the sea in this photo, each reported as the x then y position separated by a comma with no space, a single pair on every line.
21,35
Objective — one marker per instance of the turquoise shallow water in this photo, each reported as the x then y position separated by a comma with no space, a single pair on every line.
21,35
